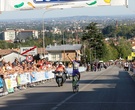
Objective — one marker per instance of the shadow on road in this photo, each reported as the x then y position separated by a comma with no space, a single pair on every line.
109,92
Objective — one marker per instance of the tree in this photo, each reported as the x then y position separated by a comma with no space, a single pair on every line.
123,48
109,52
94,40
109,31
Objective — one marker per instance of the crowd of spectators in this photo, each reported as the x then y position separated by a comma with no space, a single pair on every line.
17,67
12,67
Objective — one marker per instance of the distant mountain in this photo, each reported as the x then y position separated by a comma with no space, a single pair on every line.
75,18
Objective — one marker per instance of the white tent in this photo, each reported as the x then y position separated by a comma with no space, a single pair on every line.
11,57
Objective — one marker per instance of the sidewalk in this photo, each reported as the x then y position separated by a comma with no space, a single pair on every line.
132,75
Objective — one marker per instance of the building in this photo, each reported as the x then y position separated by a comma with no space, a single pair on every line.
59,52
8,35
21,34
12,56
42,53
52,52
25,34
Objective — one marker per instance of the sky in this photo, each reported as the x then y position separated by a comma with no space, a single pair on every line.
54,13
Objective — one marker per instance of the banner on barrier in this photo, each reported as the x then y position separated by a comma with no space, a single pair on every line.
13,80
20,79
9,85
1,82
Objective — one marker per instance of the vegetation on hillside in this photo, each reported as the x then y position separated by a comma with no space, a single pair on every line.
92,38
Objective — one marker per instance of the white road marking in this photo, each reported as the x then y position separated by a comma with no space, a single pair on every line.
64,101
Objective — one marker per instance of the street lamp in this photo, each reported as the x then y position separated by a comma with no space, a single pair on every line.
90,55
95,54
64,47
44,27
44,30
64,42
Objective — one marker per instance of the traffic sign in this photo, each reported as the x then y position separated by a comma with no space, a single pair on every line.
28,50
29,58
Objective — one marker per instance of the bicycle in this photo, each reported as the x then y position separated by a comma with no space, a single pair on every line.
75,83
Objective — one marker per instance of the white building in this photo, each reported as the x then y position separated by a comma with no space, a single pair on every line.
12,56
8,35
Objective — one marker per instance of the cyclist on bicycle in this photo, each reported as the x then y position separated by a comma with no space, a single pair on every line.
75,64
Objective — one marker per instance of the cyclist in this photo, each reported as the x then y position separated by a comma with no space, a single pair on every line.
75,64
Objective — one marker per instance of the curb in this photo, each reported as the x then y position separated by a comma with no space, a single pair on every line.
132,75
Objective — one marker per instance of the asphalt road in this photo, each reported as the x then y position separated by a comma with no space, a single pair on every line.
109,89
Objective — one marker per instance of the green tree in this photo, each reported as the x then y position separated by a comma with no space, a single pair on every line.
109,52
94,40
109,31
124,48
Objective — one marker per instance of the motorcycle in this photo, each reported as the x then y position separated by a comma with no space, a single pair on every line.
60,77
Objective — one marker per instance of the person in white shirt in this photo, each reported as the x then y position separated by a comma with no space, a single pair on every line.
126,66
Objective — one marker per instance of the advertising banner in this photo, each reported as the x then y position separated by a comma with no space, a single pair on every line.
14,5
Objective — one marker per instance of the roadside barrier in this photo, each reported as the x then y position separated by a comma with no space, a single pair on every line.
1,83
18,80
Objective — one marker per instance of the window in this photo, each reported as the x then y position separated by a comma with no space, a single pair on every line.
56,57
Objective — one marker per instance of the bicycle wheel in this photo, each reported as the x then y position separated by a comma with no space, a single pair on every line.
74,90
77,88
73,86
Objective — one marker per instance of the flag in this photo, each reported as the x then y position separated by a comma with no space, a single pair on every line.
133,54
129,57
18,5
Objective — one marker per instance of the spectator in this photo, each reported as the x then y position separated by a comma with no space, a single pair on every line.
126,66
2,62
99,66
16,61
133,68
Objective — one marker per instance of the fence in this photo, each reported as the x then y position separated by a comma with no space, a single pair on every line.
19,79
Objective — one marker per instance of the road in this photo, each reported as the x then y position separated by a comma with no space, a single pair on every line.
109,89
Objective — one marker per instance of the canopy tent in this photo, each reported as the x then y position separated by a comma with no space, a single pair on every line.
17,5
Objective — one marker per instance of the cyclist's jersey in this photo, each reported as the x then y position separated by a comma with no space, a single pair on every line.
75,64
75,67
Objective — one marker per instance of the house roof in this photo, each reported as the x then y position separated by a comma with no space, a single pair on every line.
6,51
63,47
11,57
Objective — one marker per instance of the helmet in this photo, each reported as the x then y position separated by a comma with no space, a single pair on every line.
60,63
57,63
